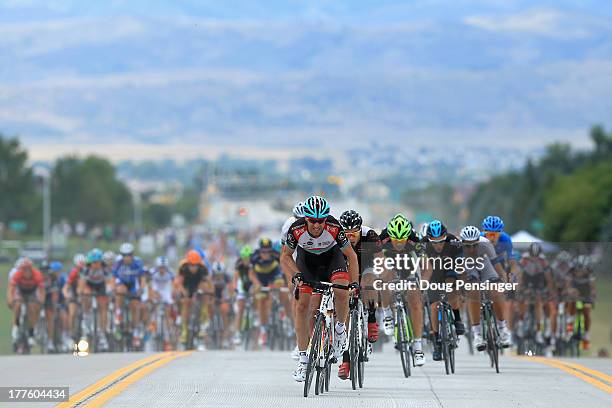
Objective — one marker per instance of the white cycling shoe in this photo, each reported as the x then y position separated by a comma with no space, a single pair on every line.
388,325
479,342
419,358
505,337
339,344
299,374
295,354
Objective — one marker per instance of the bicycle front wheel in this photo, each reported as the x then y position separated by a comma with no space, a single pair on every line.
402,341
314,352
354,348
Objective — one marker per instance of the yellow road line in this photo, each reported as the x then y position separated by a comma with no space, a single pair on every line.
109,379
116,389
595,373
575,371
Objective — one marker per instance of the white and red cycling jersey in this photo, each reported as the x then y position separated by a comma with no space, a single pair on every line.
333,234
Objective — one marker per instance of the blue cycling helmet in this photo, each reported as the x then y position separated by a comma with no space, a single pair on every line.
56,266
316,207
277,246
436,229
95,255
493,223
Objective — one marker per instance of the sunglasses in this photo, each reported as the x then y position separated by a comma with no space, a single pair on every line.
470,244
492,234
437,241
316,220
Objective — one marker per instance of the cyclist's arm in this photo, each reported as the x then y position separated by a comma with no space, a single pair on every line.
10,289
287,262
253,277
353,262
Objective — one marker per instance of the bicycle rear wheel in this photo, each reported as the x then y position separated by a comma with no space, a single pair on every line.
314,353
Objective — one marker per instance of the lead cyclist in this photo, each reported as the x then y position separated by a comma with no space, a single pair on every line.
321,246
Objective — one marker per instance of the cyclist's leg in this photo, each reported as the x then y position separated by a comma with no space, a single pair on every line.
33,310
264,305
120,294
370,300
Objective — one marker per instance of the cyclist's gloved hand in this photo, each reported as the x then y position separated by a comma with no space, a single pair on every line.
354,287
297,279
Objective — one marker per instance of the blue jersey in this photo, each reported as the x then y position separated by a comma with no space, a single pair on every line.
61,282
503,249
129,274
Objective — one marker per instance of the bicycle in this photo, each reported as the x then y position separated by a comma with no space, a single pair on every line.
358,346
216,327
320,349
490,331
446,333
403,333
246,325
578,332
21,345
279,324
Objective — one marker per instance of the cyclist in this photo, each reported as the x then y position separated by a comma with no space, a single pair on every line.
27,285
399,239
53,284
477,249
581,287
70,294
493,230
366,244
535,280
446,248
93,282
220,284
298,212
243,284
265,273
192,277
321,246
129,279
160,290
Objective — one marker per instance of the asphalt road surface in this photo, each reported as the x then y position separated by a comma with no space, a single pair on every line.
263,379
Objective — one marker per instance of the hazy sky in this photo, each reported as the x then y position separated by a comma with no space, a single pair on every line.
210,76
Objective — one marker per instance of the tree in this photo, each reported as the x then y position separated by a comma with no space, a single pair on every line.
577,206
88,190
19,199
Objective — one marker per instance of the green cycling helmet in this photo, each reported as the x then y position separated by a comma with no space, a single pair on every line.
246,252
399,227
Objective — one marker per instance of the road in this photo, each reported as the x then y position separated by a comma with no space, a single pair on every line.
263,379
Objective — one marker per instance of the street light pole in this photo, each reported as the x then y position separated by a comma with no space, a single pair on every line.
45,175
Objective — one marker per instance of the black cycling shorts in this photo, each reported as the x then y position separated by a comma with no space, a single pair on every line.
326,267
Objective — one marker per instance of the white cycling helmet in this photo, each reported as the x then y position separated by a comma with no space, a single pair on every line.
79,260
218,268
298,210
423,230
161,261
108,257
126,249
470,233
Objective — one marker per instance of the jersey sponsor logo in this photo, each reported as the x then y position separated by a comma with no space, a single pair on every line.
298,232
333,230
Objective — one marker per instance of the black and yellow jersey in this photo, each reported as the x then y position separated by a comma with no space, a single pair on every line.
269,265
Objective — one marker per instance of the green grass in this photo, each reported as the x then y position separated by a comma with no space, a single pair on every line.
601,332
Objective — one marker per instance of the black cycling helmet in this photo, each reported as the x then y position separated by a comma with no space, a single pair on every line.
350,219
265,243
535,249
